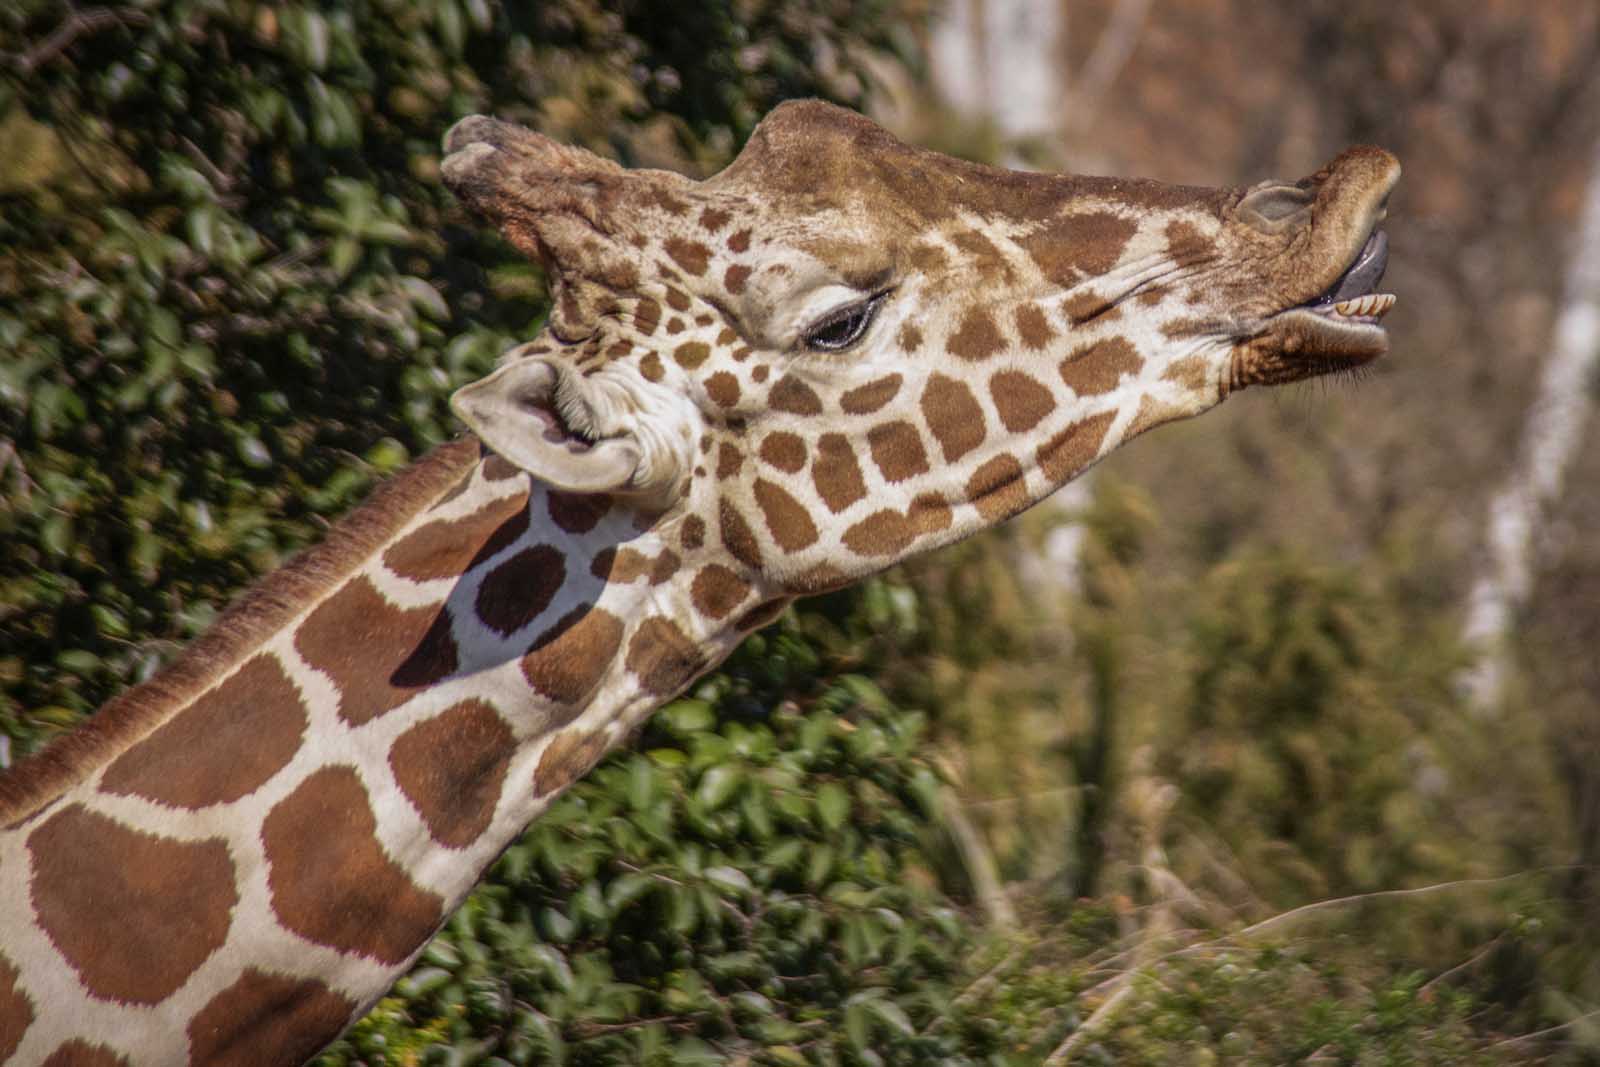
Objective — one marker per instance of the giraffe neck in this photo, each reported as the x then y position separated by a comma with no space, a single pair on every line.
254,847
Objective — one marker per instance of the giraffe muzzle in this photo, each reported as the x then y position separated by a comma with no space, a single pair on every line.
1353,297
1363,276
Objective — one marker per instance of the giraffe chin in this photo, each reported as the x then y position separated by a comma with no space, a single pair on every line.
1304,343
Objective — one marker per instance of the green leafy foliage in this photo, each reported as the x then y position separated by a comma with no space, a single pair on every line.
748,879
233,292
1229,1008
233,295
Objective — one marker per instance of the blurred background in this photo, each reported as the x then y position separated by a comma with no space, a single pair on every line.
1275,739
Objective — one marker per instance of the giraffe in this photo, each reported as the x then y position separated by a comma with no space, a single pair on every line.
837,352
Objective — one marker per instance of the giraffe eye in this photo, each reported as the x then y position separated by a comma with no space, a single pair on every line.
840,329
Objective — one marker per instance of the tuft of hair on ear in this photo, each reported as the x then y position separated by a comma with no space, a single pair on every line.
572,408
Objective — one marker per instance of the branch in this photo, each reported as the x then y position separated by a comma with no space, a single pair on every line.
1111,53
1585,1017
77,24
979,862
1382,894
1551,438
1101,1014
1464,965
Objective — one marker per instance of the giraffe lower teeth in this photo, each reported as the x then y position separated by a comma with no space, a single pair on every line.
1373,305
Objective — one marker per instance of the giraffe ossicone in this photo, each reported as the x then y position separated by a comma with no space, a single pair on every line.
837,352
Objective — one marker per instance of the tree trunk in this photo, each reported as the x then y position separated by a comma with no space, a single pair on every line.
1550,441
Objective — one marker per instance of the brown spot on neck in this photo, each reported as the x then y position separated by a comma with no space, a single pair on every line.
567,757
693,533
883,533
224,746
737,537
646,316
663,657
518,590
377,655
578,513
1071,247
134,914
998,489
567,661
729,460
787,520
1097,368
836,474
496,468
16,1009
818,578
80,1053
266,1018
1187,246
897,450
865,399
691,354
717,590
1067,453
723,389
762,614
785,451
1033,328
452,769
1191,372
1022,401
331,880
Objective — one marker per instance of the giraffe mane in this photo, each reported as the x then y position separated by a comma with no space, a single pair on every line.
263,610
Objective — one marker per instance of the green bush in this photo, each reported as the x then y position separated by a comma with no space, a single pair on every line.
233,292
233,295
747,879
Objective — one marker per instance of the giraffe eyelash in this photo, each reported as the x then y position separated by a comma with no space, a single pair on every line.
839,330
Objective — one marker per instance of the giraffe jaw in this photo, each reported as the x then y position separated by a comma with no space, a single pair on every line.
1338,330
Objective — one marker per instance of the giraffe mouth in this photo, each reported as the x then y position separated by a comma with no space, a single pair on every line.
1352,299
1339,328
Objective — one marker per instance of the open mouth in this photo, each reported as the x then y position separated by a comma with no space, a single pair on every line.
1339,328
1352,299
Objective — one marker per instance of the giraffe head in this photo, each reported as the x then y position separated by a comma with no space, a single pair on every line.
842,349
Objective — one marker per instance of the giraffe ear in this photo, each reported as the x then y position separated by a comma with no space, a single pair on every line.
521,412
